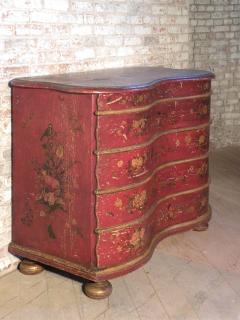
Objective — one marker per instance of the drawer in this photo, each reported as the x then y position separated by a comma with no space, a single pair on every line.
120,167
133,128
122,245
140,98
124,206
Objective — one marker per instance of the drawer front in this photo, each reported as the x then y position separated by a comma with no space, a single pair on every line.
122,245
126,129
124,206
122,167
164,90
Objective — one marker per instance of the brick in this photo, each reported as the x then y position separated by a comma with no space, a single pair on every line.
126,51
202,15
217,15
111,7
134,19
22,4
228,21
220,35
16,16
142,30
181,20
235,28
202,29
104,30
210,8
234,14
220,28
114,41
174,10
85,53
81,30
132,40
123,29
29,30
112,20
43,16
204,2
218,22
159,9
151,19
150,40
7,30
82,6
60,5
219,8
105,51
235,55
229,35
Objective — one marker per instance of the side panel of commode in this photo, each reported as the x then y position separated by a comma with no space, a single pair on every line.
53,176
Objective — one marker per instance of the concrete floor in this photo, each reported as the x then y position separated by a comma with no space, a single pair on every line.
190,276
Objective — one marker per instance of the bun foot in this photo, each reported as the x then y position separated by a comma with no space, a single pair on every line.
201,227
97,290
29,267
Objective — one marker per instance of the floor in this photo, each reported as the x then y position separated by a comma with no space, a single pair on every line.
195,275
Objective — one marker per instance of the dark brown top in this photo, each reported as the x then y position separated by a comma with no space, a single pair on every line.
121,78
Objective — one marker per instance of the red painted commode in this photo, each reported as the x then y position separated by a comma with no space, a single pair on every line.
106,164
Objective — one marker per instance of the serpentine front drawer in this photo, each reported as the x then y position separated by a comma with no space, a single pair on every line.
106,164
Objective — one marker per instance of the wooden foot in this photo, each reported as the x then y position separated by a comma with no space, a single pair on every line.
97,290
201,227
30,267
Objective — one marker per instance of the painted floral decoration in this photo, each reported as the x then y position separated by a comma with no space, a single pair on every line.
138,201
137,164
51,178
52,181
139,126
137,238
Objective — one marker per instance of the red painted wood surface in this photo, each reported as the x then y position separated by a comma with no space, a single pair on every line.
166,89
121,168
124,206
133,128
51,146
98,176
120,246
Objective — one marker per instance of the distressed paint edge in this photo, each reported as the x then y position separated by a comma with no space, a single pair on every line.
94,217
97,180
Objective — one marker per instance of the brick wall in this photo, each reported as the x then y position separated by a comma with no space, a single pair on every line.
216,45
57,36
